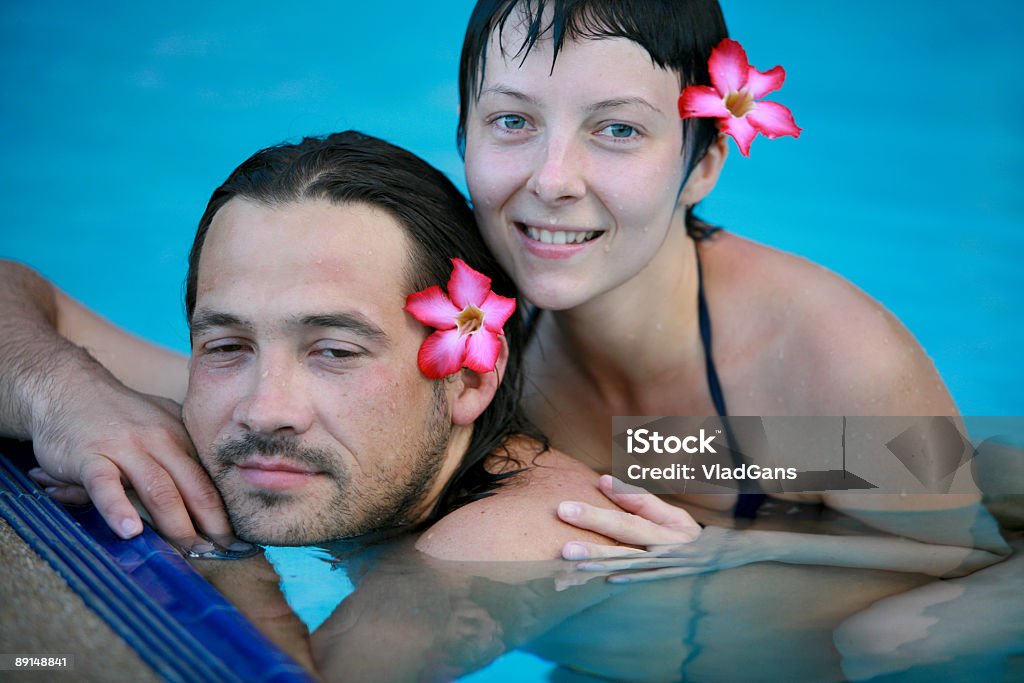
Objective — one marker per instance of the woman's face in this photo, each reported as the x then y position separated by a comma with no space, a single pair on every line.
575,172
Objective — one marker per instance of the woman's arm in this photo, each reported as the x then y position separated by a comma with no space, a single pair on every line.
718,548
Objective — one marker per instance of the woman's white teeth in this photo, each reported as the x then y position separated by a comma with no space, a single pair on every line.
560,236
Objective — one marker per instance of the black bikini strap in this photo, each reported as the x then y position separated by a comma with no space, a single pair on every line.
714,386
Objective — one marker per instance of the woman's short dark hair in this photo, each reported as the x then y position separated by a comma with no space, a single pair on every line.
357,168
678,35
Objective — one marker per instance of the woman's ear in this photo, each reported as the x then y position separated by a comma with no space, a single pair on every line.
705,174
473,392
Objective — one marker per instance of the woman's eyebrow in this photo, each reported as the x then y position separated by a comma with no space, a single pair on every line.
508,92
623,102
499,89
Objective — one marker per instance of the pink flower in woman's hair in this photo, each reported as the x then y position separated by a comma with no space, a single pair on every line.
468,324
733,99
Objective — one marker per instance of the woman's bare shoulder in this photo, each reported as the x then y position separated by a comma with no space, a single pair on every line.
826,345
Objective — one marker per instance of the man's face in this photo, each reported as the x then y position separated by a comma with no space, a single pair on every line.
305,402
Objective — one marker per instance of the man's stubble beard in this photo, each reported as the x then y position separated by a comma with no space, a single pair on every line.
389,498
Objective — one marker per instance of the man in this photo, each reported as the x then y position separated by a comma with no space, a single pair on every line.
305,402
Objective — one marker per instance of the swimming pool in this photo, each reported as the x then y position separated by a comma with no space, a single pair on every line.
119,121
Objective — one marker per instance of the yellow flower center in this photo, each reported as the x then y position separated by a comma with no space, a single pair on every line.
739,103
470,320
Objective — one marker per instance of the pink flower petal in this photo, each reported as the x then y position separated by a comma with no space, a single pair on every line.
467,286
772,119
741,131
442,354
729,67
482,351
700,101
497,310
432,308
761,83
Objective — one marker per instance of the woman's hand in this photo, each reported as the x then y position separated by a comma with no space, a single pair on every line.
673,544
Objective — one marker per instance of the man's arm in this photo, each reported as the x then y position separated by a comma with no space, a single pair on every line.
89,429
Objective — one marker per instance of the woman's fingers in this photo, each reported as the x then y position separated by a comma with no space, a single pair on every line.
647,505
659,574
647,561
626,527
578,550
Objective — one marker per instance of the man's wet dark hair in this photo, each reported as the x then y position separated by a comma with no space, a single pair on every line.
678,35
351,167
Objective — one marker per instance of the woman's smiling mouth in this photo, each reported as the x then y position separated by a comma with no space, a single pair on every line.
548,241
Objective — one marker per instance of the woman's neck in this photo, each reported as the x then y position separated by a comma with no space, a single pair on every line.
640,336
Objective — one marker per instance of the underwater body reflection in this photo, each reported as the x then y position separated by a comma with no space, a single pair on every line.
409,617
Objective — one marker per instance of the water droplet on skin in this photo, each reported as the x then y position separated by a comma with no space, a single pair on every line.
265,373
607,247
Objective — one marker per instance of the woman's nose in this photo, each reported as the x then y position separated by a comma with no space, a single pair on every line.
558,174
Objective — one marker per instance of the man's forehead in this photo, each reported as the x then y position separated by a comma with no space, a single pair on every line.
312,241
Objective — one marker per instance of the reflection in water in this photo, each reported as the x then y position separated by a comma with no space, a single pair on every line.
413,618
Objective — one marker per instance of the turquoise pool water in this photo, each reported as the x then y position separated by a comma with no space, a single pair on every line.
118,120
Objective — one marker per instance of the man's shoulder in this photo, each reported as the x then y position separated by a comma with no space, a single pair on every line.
519,521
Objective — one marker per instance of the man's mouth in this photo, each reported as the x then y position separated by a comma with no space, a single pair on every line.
275,473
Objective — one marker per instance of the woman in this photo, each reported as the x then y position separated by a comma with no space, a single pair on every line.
584,177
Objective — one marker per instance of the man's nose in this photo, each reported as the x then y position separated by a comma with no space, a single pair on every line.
278,399
558,173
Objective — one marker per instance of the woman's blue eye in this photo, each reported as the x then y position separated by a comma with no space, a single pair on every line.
620,130
512,122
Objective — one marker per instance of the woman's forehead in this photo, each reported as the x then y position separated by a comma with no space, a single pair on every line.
580,65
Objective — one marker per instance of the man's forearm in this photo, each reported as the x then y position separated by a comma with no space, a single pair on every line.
34,358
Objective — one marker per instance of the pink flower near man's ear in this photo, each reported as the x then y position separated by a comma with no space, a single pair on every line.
734,98
468,324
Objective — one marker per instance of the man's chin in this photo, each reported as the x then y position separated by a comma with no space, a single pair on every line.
287,522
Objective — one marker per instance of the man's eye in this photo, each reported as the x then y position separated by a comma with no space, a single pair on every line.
225,349
337,353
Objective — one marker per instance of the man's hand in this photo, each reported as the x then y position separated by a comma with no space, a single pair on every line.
95,435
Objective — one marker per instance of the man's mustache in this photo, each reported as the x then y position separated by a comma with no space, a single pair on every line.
252,444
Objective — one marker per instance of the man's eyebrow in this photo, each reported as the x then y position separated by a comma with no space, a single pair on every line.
353,322
203,320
